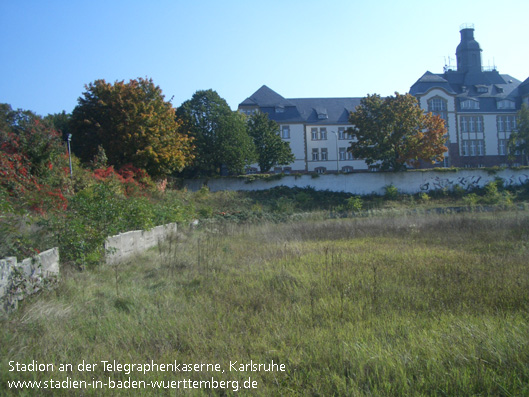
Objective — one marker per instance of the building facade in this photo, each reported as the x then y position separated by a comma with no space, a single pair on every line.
479,107
316,129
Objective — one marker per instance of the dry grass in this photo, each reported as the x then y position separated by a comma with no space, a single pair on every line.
394,305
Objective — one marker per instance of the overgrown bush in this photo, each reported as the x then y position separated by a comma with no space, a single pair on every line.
354,204
391,192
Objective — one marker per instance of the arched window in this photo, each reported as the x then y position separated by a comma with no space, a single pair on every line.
439,106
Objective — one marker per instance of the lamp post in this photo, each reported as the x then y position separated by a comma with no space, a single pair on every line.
337,153
70,154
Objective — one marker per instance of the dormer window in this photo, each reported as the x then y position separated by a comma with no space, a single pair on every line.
469,104
280,109
322,114
506,104
248,111
482,89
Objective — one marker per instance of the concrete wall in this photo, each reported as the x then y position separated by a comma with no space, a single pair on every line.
125,245
20,279
410,182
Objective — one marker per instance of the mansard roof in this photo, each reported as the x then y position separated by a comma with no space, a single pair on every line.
487,87
524,87
429,81
302,110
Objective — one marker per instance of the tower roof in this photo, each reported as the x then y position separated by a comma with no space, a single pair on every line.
468,52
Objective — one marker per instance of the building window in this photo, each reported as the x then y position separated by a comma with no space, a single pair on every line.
343,134
315,155
471,124
506,123
469,104
505,104
343,153
285,132
323,133
473,147
347,169
249,112
438,106
324,156
314,134
350,156
502,147
320,170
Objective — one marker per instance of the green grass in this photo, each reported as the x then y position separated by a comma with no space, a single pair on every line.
386,305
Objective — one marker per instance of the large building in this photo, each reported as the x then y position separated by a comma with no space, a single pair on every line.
314,127
479,107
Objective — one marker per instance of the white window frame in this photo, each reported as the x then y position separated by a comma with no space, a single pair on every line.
469,104
324,154
506,104
502,147
343,153
285,132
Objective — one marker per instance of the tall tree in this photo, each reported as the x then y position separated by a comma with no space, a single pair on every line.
220,136
61,123
519,139
270,148
394,132
133,123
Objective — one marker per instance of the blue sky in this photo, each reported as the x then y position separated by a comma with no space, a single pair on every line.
51,49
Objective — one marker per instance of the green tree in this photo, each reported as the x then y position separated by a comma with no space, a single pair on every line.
61,123
133,123
220,136
393,132
270,148
519,139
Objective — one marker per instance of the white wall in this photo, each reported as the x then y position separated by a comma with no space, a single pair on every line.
365,183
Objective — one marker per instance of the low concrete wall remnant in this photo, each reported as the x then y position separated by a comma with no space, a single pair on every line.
125,245
21,279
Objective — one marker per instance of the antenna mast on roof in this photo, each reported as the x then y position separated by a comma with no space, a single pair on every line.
448,65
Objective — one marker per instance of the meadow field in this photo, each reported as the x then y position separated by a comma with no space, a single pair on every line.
394,305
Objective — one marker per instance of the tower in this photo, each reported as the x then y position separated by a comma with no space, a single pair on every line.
468,52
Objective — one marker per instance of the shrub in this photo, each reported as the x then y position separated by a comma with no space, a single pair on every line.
284,205
354,204
391,192
424,197
471,199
